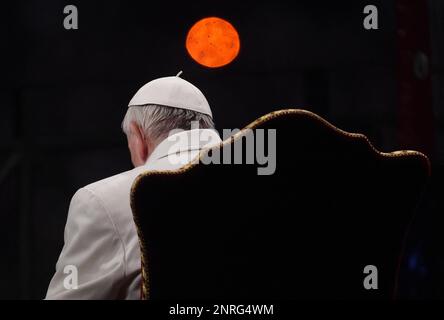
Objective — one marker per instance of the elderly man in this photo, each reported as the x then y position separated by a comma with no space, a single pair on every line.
100,258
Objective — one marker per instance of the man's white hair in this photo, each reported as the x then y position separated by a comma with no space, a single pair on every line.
158,121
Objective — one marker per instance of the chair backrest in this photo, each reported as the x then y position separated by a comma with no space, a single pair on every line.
333,206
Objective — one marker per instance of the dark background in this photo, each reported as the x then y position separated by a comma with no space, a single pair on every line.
63,95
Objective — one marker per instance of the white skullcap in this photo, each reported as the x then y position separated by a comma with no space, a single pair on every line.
172,92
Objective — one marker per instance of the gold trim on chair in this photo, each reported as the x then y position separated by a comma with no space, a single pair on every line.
240,134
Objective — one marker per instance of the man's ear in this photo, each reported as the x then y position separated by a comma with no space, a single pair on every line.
137,145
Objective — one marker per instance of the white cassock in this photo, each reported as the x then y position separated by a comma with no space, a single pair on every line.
100,235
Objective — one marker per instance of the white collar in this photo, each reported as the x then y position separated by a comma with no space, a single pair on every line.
185,141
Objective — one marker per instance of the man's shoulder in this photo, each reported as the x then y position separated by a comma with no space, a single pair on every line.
119,183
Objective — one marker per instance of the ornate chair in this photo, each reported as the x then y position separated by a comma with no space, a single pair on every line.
334,205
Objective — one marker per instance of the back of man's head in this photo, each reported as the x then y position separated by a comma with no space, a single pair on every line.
156,122
160,107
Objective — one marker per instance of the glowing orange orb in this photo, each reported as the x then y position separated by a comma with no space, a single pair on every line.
213,42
